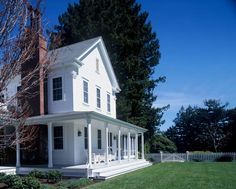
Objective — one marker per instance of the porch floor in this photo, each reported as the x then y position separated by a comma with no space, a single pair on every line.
97,171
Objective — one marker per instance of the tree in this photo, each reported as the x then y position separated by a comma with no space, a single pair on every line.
160,142
133,49
19,42
201,128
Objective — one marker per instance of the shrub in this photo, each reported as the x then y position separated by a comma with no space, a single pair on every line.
224,158
54,176
31,183
75,183
1,176
13,181
46,186
37,174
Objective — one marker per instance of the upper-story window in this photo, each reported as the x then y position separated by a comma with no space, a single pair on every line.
85,89
98,98
108,102
57,88
97,65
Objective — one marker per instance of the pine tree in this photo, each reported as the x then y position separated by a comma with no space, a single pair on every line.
133,49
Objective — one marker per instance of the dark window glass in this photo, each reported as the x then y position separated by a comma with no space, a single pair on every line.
58,137
99,139
57,88
85,138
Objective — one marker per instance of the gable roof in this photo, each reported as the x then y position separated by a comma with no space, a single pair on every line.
75,53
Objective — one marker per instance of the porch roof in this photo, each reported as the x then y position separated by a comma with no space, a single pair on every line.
45,119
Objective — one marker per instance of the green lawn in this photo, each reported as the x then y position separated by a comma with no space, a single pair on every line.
176,176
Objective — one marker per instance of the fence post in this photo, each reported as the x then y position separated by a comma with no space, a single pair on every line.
161,153
187,155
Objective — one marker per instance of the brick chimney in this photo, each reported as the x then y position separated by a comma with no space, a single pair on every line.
37,101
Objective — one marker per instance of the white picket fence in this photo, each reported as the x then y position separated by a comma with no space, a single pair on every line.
189,156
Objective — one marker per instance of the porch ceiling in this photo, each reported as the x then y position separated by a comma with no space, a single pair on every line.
45,119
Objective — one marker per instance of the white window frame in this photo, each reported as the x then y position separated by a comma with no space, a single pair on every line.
109,103
61,88
85,92
98,98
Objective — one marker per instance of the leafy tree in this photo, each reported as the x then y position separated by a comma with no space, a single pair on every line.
201,128
231,129
133,49
161,143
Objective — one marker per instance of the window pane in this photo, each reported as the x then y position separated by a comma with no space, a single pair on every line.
85,138
58,137
98,98
99,139
85,88
108,103
57,88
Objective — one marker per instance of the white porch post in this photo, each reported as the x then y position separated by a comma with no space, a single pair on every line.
50,163
142,145
129,145
17,148
107,152
136,146
119,152
89,142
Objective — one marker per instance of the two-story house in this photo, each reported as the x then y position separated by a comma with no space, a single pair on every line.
80,113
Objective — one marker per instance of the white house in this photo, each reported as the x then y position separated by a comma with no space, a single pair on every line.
83,132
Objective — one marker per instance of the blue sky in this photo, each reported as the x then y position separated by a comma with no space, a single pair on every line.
198,50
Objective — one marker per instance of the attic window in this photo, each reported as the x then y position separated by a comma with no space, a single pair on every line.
97,65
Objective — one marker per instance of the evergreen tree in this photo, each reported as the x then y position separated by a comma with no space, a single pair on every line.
133,49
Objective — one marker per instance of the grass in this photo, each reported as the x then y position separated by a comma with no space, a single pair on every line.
196,175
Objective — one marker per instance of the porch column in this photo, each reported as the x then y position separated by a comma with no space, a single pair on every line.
142,145
136,146
119,152
50,163
107,152
129,145
17,148
89,142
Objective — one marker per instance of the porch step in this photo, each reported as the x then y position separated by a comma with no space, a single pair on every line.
110,172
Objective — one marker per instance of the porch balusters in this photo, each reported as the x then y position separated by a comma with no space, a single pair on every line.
129,146
50,163
89,143
119,151
136,146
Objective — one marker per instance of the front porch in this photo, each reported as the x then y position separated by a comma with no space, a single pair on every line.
91,144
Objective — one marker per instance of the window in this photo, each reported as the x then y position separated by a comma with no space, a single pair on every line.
108,103
97,65
98,98
99,139
110,141
85,88
57,88
86,138
58,137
